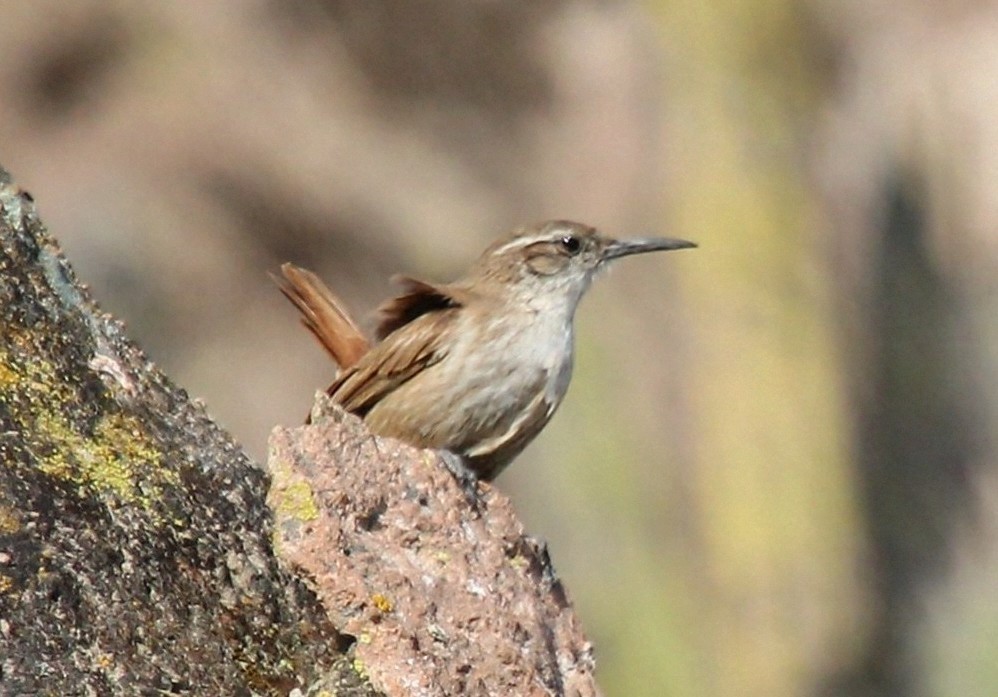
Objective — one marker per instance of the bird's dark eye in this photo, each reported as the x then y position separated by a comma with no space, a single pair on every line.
570,243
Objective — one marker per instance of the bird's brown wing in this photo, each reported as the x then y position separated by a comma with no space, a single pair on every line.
366,374
323,314
394,361
424,309
418,299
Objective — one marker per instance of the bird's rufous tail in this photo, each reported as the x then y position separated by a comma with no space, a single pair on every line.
323,314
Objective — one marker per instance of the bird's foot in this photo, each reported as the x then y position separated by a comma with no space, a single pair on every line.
464,475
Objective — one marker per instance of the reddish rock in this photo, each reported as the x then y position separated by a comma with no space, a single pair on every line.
442,589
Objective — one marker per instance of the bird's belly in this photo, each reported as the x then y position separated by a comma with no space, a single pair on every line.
481,397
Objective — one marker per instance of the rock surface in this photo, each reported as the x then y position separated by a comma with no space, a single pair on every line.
439,585
135,539
137,547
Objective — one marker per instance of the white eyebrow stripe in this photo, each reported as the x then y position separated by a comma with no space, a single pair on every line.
519,242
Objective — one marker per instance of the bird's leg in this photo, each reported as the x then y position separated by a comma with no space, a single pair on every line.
464,475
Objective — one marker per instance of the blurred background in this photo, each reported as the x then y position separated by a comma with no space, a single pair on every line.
775,471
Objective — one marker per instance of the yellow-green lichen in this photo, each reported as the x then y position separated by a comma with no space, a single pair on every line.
10,522
277,541
297,502
360,668
519,562
382,602
7,376
116,458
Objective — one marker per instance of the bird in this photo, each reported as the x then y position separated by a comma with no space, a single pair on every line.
475,367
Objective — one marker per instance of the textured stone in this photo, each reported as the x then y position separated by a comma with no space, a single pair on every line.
439,585
135,539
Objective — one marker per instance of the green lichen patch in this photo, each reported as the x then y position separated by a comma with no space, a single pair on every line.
298,503
10,521
115,459
291,497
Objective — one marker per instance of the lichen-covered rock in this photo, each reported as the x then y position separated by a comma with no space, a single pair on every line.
137,546
440,586
135,540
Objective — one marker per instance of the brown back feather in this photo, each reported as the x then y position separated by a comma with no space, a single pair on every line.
394,361
418,299
424,307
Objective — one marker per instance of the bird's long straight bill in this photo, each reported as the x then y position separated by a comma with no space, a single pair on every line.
623,248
